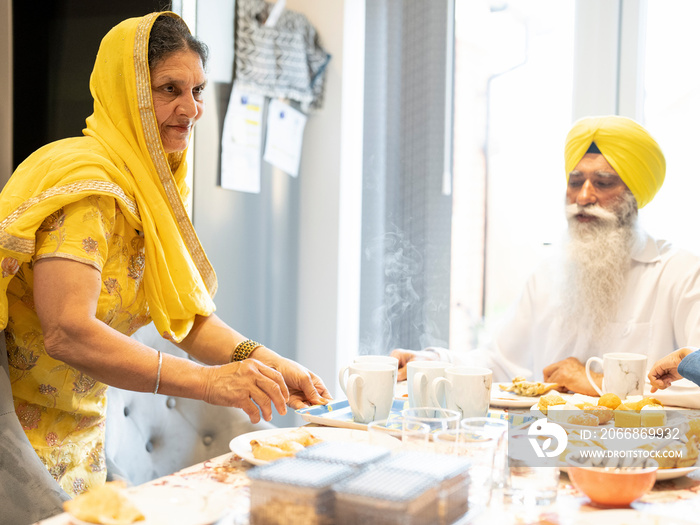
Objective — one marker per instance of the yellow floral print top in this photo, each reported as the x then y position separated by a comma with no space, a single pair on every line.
61,409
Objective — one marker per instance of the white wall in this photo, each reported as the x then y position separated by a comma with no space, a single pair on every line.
330,177
330,181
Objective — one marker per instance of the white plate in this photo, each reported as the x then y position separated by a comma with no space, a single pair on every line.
661,474
673,473
504,399
240,445
176,505
673,419
627,517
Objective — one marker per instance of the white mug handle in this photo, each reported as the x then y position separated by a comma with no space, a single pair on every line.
341,379
435,386
588,373
418,379
354,393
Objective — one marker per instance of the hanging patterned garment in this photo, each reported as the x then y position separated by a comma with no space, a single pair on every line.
284,61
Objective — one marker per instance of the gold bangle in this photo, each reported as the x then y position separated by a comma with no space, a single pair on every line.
243,350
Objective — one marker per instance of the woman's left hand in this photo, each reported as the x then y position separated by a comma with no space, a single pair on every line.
305,387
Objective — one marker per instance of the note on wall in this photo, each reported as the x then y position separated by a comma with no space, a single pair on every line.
285,133
241,142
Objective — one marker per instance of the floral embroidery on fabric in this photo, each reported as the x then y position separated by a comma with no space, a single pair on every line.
9,266
53,222
83,384
53,225
112,286
97,460
22,358
90,246
79,486
58,471
52,439
136,265
50,391
29,415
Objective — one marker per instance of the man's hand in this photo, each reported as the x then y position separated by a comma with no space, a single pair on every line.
665,370
249,385
570,374
404,356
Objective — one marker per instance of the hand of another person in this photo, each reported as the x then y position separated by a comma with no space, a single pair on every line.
665,370
570,374
249,385
404,356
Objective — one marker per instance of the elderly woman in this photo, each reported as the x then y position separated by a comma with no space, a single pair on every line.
95,242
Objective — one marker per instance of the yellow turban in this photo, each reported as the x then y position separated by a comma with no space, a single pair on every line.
628,147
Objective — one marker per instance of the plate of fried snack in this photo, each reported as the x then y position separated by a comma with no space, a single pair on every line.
518,393
115,504
263,446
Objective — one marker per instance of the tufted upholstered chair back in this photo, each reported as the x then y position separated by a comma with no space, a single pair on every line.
149,436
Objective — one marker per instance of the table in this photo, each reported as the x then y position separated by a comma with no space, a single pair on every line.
226,475
222,485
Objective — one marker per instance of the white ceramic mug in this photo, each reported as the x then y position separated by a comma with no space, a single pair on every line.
623,374
419,375
370,390
466,390
386,359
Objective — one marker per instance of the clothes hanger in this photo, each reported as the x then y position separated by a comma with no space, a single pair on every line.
275,13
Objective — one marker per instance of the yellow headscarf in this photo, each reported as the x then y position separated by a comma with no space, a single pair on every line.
121,156
628,147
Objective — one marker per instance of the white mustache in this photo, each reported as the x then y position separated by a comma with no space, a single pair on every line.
592,210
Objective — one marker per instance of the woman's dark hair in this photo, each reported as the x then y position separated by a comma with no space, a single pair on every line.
169,35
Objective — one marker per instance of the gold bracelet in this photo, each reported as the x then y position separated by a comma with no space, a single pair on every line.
243,350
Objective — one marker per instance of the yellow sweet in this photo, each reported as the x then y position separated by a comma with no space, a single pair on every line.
653,416
626,417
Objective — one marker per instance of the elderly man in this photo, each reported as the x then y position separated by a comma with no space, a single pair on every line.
612,288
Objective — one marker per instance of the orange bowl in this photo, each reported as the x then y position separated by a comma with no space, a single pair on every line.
613,487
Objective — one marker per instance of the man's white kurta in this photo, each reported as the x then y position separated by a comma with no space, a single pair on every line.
659,313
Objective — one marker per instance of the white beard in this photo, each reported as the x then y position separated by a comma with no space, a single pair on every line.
596,262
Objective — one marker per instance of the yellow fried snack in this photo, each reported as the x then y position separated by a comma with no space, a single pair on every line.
603,413
521,387
611,401
677,454
282,445
690,455
549,400
107,505
694,430
588,420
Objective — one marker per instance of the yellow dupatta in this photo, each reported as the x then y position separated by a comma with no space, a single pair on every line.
121,156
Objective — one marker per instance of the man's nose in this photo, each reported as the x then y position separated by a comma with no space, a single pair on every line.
586,194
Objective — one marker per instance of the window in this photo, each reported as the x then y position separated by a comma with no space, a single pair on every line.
524,71
671,106
513,107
